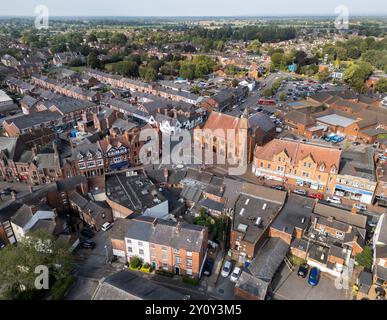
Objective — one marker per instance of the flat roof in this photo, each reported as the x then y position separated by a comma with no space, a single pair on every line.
336,120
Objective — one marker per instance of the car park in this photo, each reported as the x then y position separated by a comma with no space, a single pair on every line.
314,277
303,271
300,192
235,274
334,200
226,269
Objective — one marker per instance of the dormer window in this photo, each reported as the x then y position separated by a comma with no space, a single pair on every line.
333,169
322,167
80,156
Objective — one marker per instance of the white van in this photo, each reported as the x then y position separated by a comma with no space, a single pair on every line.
106,226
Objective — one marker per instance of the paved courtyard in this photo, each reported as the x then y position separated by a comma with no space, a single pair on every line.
288,286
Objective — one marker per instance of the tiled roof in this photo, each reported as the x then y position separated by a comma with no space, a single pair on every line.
298,151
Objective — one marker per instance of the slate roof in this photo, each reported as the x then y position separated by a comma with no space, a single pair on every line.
125,285
176,235
295,214
252,285
268,259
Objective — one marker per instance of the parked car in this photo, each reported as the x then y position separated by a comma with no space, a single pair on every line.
360,206
303,270
300,192
318,196
7,191
314,277
226,269
208,267
87,233
87,244
280,188
235,274
106,226
334,200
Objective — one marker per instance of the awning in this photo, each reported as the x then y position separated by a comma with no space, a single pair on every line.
353,190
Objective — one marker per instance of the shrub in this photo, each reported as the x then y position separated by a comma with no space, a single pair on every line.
191,280
146,268
135,263
165,273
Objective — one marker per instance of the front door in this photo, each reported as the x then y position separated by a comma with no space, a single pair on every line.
177,270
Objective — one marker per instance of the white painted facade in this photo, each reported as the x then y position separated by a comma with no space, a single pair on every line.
137,248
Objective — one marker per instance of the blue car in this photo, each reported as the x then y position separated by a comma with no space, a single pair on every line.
314,277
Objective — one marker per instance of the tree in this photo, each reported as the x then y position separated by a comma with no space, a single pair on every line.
268,92
381,86
187,70
365,258
356,74
126,68
150,75
235,83
282,96
254,46
323,75
91,38
19,262
276,59
119,38
92,60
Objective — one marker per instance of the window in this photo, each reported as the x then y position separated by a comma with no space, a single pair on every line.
140,244
165,266
176,251
165,256
178,260
189,254
141,252
152,245
269,166
130,249
189,272
189,262
128,241
82,165
261,164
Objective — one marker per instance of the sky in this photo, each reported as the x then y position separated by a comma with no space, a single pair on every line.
191,7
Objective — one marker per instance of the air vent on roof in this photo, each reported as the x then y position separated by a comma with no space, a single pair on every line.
303,220
247,202
144,192
258,221
241,212
264,206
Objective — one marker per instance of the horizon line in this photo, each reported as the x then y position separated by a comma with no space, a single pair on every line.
296,15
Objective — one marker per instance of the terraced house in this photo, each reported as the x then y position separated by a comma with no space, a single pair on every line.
296,163
180,248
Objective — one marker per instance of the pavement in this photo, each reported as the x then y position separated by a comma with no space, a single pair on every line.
286,285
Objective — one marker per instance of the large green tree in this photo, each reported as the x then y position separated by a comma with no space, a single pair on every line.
356,74
381,86
19,262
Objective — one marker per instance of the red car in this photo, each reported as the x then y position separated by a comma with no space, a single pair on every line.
318,196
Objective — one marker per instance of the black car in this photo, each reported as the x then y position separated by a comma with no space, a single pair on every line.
303,271
87,233
7,191
87,244
208,267
280,188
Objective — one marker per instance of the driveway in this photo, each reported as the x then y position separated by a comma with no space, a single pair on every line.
96,263
288,286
